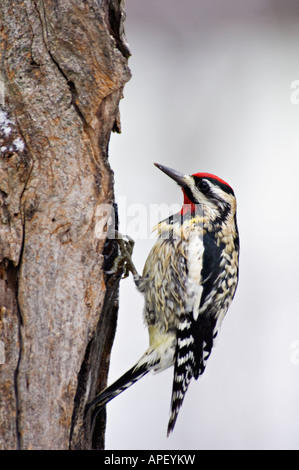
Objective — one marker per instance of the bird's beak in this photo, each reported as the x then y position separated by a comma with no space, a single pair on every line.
180,178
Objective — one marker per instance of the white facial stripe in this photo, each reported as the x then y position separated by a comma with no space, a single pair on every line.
216,190
218,193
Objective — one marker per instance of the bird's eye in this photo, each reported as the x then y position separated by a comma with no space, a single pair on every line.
203,185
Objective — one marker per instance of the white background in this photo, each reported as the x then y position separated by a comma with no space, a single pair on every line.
211,91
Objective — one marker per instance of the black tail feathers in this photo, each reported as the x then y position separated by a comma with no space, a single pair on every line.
124,382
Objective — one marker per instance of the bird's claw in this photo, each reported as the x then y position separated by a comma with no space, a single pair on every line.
123,261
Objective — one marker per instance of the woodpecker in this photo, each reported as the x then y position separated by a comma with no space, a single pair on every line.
188,282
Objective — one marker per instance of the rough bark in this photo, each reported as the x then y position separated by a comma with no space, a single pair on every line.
64,66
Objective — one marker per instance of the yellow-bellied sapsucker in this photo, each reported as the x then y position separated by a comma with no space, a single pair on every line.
188,282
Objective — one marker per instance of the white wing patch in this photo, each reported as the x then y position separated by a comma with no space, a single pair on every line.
195,258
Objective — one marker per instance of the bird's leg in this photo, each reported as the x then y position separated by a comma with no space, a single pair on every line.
124,260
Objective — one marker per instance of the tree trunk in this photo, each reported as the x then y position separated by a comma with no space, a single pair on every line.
63,69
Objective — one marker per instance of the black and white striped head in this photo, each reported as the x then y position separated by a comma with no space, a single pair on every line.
205,189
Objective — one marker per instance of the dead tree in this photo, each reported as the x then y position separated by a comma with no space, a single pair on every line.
63,69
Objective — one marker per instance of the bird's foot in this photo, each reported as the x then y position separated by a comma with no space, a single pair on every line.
123,262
